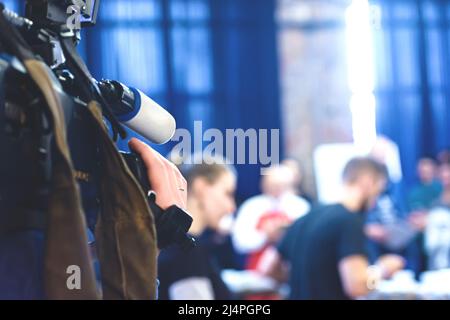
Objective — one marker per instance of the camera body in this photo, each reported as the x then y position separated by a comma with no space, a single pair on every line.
46,22
50,20
55,13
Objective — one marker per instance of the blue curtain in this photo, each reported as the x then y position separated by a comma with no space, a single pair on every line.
12,5
209,60
246,76
412,85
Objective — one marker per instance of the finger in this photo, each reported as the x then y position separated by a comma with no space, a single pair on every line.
182,183
177,186
147,153
164,176
181,178
143,150
153,163
178,183
172,170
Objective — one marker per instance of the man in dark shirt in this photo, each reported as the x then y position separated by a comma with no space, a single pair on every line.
326,248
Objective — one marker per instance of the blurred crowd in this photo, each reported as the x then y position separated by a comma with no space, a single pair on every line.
237,245
415,223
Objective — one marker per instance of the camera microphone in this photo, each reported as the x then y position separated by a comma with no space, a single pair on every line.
138,112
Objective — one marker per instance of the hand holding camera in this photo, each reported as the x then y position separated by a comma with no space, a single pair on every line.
165,178
166,190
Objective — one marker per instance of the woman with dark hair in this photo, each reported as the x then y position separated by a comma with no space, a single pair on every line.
192,274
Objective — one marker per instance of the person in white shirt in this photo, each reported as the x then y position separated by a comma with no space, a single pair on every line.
261,220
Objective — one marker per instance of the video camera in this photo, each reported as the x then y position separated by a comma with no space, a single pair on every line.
56,13
52,29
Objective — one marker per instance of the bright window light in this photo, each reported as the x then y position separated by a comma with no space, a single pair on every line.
11,5
361,74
